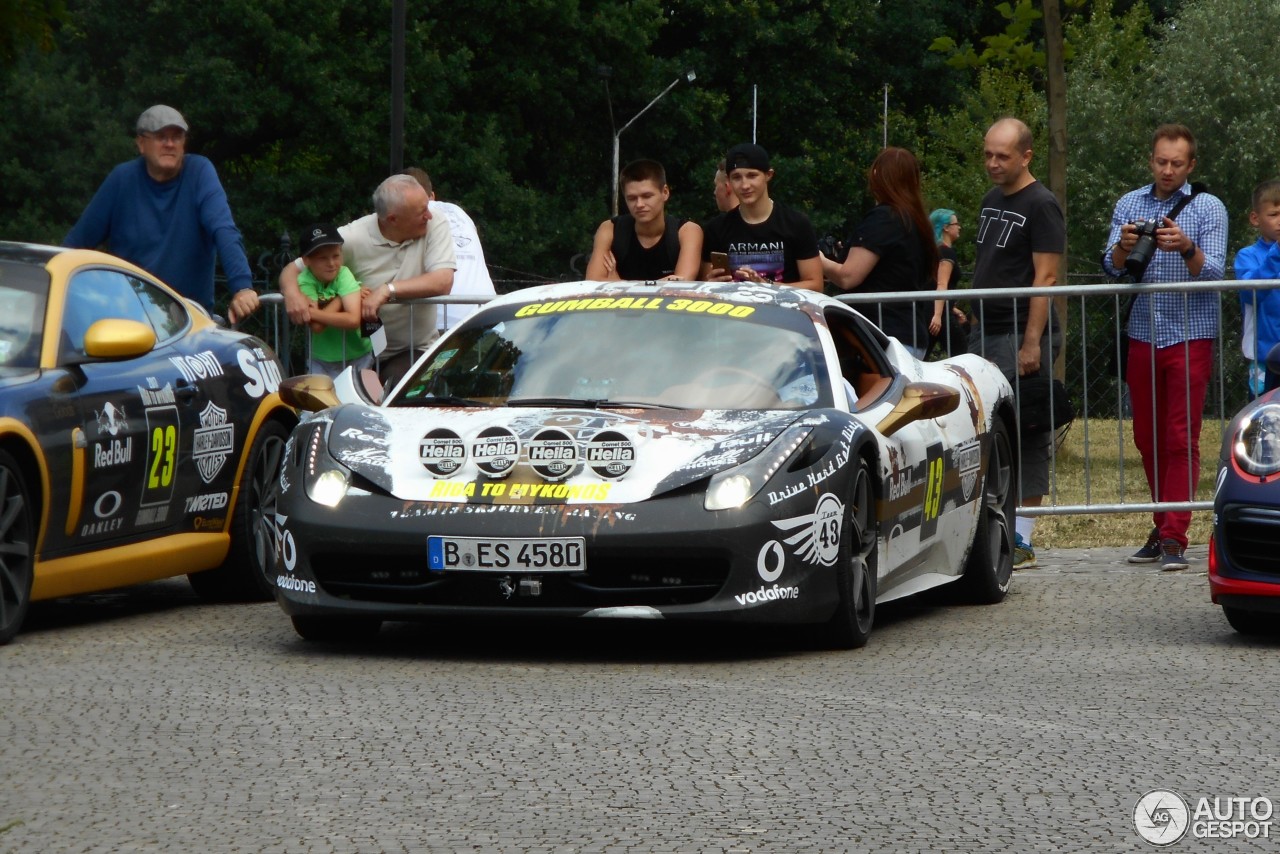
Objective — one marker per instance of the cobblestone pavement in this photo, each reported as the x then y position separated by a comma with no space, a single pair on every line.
144,721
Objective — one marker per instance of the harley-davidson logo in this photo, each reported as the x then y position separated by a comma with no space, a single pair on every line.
214,441
968,458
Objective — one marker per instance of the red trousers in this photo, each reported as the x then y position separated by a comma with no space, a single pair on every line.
1167,387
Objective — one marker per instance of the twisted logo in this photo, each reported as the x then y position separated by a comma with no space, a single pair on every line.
1161,817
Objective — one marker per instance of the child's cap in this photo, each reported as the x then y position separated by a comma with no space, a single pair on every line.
319,234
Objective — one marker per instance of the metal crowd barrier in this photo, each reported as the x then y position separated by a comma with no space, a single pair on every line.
1092,338
273,326
1090,319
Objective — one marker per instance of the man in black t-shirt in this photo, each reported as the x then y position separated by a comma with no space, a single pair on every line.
645,244
1021,238
764,241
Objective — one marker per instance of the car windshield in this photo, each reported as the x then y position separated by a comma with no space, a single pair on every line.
23,290
658,352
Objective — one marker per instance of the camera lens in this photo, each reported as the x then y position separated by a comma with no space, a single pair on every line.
1136,264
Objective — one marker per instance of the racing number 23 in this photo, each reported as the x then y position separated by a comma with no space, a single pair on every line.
164,450
163,430
933,489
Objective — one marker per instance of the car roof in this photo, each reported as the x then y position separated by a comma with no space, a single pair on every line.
28,253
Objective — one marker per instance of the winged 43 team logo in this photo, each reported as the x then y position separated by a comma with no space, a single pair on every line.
214,441
816,537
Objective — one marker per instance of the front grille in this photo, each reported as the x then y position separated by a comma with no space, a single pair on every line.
1248,537
614,577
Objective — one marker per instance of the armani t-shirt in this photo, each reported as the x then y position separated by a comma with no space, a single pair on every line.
771,248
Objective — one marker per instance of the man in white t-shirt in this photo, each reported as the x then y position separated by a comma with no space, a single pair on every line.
472,276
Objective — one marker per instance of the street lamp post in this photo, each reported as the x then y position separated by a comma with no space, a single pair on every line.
689,75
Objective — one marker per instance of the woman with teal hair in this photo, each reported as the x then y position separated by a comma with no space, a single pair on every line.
946,228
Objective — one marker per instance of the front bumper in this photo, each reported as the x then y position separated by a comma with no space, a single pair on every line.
1244,564
663,558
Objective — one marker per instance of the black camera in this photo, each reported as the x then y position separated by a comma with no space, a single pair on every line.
833,248
1140,255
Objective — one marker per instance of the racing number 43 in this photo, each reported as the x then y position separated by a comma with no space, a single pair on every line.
829,535
933,488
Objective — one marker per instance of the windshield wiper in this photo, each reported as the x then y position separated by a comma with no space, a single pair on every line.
443,400
635,404
583,403
576,402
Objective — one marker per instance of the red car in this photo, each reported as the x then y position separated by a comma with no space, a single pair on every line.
1244,552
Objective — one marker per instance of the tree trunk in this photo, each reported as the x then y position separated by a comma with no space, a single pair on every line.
1056,88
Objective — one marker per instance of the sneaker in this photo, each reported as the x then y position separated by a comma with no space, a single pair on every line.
1150,553
1171,556
1024,557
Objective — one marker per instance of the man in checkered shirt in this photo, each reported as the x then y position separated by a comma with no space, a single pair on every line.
1171,335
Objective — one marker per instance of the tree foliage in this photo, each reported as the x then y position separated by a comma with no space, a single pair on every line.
28,23
506,108
1232,102
1108,128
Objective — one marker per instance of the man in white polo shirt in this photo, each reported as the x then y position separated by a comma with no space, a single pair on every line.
396,256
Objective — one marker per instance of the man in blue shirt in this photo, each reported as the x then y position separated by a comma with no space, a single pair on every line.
166,211
1171,335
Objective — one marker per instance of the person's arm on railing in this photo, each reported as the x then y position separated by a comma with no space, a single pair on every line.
1046,266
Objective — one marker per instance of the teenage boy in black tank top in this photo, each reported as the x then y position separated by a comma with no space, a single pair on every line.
645,244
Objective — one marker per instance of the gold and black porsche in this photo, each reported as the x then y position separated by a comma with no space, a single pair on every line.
138,438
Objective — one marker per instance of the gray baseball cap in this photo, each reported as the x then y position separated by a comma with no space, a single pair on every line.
160,117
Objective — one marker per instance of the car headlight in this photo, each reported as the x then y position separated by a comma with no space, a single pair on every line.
1257,445
330,487
736,486
326,481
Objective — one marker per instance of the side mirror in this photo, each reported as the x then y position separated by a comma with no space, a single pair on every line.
309,392
919,401
116,338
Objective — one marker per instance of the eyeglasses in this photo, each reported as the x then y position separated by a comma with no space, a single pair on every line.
956,224
174,136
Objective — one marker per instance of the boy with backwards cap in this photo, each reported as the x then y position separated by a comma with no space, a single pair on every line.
765,241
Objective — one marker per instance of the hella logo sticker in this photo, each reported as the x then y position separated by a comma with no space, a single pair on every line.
496,451
553,454
610,454
442,452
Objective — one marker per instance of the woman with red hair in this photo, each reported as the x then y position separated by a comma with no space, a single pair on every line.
892,250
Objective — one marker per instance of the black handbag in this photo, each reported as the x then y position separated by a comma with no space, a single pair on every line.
1043,405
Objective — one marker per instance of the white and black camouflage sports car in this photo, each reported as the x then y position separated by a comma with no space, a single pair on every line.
671,450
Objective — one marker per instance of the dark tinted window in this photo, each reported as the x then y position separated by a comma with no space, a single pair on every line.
94,295
24,289
167,314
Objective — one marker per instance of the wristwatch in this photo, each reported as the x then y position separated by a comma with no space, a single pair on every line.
391,291
1190,253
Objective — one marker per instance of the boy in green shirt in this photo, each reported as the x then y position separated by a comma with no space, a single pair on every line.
334,293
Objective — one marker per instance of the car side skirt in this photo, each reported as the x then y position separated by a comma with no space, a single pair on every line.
132,564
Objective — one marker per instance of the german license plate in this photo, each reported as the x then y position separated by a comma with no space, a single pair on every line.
484,554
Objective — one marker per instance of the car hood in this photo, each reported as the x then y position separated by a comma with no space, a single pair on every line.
530,456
